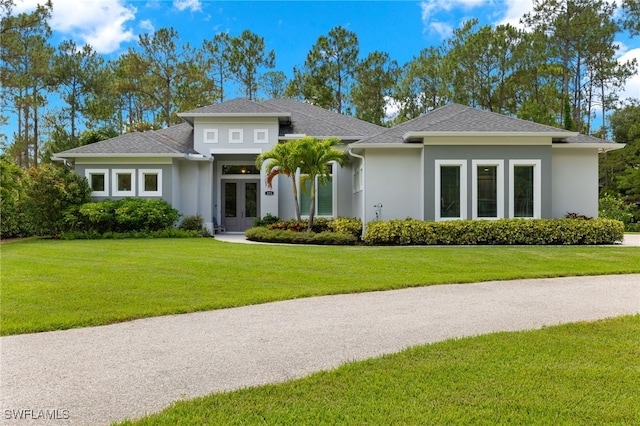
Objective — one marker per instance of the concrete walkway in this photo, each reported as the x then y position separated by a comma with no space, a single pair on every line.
103,374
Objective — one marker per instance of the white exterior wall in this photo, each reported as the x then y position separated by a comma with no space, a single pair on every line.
394,178
225,125
574,181
195,189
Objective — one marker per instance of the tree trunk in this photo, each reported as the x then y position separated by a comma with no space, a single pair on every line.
312,203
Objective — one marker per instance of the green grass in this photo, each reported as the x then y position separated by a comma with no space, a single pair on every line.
584,373
51,285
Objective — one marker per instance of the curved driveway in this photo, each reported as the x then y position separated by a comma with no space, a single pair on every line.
103,374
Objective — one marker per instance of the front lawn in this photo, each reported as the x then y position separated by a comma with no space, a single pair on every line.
51,285
584,373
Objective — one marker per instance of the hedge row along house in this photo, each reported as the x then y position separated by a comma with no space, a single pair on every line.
454,162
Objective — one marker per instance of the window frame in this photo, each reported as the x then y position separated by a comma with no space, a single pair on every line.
206,138
241,136
463,188
537,187
499,164
141,181
105,172
266,136
114,182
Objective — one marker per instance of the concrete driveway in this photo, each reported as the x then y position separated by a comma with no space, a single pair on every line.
99,375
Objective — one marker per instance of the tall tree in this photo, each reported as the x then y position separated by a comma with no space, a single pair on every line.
575,30
620,169
175,75
424,84
217,58
24,74
375,78
247,55
76,73
273,83
328,71
631,16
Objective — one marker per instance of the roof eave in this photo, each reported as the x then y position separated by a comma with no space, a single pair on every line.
423,134
601,147
187,115
62,156
386,145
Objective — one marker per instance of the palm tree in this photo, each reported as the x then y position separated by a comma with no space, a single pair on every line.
282,159
314,155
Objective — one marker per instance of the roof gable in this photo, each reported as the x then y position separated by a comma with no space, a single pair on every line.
456,119
173,141
312,120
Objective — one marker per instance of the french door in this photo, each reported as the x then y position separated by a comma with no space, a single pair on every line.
240,203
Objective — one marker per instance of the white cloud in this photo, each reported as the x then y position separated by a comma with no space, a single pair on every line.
516,9
100,23
147,25
192,5
632,87
444,30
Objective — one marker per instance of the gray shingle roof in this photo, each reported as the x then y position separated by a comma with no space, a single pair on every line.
315,121
460,118
234,106
175,140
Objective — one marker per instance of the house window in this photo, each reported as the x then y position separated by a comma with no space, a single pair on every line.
210,135
150,182
488,189
261,135
524,188
235,135
451,189
325,195
98,181
124,182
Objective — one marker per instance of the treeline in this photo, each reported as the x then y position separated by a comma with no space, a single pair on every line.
559,70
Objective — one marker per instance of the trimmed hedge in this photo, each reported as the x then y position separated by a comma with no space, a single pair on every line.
266,235
121,216
499,232
164,233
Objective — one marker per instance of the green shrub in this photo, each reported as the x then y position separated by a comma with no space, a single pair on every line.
163,233
346,225
192,223
50,191
268,219
125,215
614,207
264,234
502,232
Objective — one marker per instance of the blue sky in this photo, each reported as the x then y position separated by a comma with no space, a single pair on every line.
401,28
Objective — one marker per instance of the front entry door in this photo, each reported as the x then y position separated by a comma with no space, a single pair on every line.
240,203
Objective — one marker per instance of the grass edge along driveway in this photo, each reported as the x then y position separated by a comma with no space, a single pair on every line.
584,372
53,285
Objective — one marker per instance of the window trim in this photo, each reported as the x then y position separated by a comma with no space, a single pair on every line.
499,164
141,181
537,187
206,138
463,188
114,182
240,132
266,136
105,173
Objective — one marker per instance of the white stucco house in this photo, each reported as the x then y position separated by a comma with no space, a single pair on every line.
454,162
